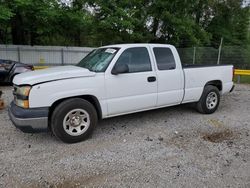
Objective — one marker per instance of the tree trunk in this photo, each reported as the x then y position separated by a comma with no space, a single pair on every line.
17,31
155,27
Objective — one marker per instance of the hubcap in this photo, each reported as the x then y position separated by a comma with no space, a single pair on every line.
212,100
76,122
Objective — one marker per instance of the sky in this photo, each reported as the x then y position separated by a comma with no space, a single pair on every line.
246,3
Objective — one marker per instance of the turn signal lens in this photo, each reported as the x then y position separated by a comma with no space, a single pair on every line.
22,103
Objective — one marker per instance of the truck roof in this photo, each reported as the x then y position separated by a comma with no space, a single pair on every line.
137,44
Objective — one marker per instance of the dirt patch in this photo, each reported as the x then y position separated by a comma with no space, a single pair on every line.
219,136
87,181
216,123
90,181
181,140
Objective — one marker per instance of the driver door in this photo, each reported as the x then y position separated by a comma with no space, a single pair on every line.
134,90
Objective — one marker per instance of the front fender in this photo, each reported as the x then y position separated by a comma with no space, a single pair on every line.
45,94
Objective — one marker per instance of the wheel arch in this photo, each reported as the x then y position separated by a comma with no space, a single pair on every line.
90,98
216,83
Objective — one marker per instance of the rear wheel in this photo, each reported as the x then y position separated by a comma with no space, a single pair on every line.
73,120
209,100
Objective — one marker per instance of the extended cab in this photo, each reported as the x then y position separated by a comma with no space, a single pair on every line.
111,81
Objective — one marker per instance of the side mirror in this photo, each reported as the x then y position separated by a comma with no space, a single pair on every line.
120,68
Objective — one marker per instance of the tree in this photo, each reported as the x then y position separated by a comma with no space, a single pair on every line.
183,23
5,16
230,21
173,22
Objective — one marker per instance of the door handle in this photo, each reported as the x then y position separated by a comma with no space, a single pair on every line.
151,79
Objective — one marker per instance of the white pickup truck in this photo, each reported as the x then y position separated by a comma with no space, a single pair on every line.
110,81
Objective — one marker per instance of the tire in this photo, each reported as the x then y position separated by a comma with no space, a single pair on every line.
73,120
209,101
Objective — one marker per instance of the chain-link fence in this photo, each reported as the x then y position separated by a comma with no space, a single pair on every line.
235,55
57,55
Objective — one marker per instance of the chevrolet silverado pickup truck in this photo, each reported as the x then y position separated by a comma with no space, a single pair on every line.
111,81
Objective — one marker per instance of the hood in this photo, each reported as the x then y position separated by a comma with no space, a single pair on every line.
50,74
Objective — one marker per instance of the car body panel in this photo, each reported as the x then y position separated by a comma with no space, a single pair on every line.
52,74
197,78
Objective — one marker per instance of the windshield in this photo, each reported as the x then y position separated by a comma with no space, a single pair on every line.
98,60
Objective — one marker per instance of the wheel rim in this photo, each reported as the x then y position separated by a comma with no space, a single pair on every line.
212,100
76,122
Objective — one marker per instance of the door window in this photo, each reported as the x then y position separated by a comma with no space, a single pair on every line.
164,58
137,59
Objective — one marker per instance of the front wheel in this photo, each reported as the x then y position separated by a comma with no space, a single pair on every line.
73,120
209,100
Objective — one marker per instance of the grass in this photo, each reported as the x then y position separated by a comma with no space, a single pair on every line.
243,79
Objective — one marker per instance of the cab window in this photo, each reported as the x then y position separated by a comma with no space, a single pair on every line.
164,58
137,59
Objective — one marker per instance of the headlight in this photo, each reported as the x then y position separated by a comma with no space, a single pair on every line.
23,91
21,95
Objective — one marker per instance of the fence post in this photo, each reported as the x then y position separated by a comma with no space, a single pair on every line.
62,55
218,60
18,54
194,55
238,79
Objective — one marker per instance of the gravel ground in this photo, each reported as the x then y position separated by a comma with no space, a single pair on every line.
170,147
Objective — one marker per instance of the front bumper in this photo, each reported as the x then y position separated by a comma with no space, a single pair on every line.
29,120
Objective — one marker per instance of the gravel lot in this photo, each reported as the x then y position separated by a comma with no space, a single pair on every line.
170,147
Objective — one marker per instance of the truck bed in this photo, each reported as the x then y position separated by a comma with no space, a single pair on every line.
197,76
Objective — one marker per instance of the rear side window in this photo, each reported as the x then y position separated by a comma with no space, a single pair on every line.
137,59
164,58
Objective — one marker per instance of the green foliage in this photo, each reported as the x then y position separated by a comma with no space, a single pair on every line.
100,22
230,21
5,13
243,79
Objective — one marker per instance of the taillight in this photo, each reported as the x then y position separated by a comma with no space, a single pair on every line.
233,72
29,67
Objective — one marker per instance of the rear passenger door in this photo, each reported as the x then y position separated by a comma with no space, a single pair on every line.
135,90
170,76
